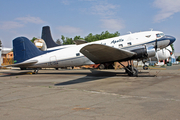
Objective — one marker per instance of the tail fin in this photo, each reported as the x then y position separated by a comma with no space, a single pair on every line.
24,49
46,36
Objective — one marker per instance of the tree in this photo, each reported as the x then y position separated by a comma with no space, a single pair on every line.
172,46
63,39
90,37
178,59
78,38
34,38
103,35
67,41
58,42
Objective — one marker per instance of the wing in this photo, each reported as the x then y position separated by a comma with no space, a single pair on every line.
99,53
23,64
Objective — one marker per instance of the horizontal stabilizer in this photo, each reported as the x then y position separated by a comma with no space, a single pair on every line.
78,42
23,64
99,53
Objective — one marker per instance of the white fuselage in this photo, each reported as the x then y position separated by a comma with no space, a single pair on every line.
71,56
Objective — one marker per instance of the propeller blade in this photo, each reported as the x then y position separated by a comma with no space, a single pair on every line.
156,46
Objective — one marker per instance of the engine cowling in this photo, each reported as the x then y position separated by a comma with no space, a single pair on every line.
40,43
151,51
143,52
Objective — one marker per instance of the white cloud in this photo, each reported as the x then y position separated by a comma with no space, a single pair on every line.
87,0
65,2
20,22
112,24
167,9
10,25
30,19
104,9
69,30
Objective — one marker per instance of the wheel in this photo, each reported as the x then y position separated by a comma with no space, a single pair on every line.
23,68
36,71
145,67
101,66
133,73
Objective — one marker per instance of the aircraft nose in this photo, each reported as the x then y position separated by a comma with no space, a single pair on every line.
170,38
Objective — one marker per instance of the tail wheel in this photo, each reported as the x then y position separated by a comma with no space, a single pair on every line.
101,66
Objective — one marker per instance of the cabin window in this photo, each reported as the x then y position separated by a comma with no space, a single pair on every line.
148,36
77,54
129,43
120,45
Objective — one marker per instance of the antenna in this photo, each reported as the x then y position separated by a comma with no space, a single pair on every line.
151,29
129,32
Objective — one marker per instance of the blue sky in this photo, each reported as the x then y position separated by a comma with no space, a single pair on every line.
81,17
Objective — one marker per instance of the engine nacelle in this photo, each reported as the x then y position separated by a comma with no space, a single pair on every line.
151,51
40,43
143,52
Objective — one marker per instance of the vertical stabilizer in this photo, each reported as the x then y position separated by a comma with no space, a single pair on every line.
24,49
46,36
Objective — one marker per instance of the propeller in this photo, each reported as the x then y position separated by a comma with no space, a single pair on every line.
155,46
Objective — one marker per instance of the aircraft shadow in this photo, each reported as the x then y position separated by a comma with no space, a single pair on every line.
99,75
9,74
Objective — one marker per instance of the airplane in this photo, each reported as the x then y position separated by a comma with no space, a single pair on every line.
141,45
49,44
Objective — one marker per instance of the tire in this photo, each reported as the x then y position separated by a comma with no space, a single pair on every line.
145,67
134,73
101,66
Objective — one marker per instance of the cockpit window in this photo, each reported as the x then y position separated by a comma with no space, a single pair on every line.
159,35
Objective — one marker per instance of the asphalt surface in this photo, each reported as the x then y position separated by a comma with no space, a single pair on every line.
90,95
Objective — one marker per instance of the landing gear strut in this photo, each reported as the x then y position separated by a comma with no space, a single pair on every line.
36,70
145,67
130,70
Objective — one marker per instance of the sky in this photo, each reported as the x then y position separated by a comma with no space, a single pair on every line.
81,17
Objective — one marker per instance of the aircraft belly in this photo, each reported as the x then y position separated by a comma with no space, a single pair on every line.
74,62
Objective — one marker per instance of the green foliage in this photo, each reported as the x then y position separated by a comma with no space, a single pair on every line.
178,59
66,40
103,35
172,46
78,38
34,38
90,37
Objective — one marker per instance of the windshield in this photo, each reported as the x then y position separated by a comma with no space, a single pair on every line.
159,35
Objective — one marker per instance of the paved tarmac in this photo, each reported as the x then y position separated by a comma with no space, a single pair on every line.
90,95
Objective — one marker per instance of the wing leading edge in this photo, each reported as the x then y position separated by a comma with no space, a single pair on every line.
99,53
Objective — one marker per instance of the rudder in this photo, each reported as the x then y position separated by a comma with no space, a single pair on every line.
46,36
24,49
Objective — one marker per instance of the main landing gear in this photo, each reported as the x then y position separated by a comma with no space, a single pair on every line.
36,70
130,70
